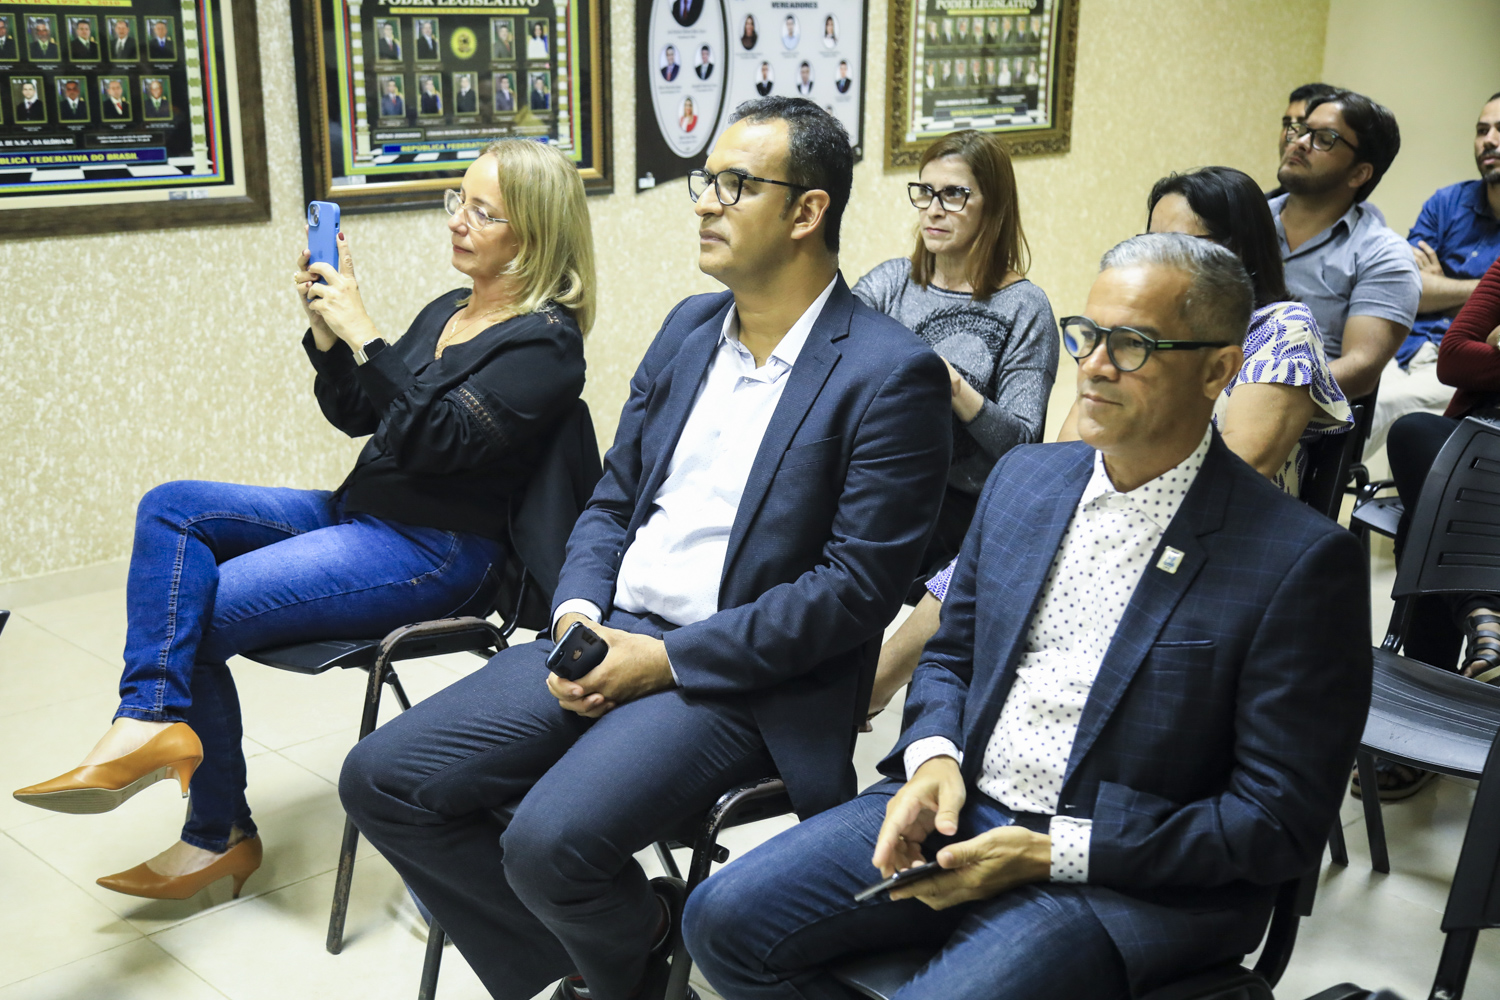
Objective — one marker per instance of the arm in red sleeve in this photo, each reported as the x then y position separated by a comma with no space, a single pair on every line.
1465,360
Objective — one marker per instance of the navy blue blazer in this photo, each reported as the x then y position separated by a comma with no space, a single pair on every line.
1216,742
836,513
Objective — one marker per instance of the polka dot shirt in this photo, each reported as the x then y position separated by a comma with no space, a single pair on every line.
1105,550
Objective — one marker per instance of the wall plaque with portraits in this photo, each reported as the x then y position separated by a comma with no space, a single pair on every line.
701,59
397,97
1003,66
129,114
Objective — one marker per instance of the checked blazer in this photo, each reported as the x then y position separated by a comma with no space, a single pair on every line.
836,512
1216,741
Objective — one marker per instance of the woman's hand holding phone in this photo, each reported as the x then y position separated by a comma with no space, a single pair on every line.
302,281
336,300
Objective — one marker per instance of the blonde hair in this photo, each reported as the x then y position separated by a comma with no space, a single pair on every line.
544,202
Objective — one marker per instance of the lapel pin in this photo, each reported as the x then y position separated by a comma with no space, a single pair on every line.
1170,559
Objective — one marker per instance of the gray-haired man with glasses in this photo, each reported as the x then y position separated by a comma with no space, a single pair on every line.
1356,276
1136,717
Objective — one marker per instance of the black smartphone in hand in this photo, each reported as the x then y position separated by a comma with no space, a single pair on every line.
912,874
578,651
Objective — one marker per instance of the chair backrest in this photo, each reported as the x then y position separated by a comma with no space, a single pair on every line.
1474,898
1453,544
1363,422
542,519
1329,459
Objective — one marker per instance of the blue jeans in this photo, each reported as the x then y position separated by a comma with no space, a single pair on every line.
219,569
772,923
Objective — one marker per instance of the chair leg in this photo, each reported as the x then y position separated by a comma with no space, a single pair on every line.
432,963
341,884
345,877
1338,851
1374,822
668,863
1453,966
395,683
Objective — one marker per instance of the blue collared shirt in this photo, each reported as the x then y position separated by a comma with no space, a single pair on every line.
1355,267
1458,224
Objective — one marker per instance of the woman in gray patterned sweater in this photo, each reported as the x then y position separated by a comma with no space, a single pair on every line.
964,291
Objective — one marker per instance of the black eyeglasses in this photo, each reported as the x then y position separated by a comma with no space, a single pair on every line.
728,185
1128,348
1323,139
953,198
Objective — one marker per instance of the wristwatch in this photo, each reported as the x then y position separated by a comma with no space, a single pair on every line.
362,352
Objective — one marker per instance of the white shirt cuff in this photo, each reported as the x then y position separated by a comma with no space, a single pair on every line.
576,606
1070,848
924,750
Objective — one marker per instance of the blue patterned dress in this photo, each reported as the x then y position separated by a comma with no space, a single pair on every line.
1283,347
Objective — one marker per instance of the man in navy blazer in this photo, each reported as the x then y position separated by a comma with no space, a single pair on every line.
1135,721
776,472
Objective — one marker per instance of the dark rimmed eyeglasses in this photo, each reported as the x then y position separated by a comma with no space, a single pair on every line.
728,185
953,198
1323,139
1127,347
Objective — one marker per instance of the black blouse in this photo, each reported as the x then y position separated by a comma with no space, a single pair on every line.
452,439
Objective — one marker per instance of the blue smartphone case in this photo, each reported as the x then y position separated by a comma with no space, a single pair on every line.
323,233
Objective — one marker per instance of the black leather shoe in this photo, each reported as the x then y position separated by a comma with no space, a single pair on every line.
673,894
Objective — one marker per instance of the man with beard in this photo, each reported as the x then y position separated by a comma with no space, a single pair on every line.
43,47
1455,240
1357,277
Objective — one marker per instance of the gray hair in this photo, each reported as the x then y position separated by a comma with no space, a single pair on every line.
1219,300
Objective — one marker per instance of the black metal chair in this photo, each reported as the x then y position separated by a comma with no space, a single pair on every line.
4,617
881,976
538,524
1425,716
1330,460
434,638
750,803
1473,897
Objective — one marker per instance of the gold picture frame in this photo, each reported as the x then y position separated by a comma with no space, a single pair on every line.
1005,66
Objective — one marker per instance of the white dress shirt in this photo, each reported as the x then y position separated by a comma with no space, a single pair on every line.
674,564
1099,562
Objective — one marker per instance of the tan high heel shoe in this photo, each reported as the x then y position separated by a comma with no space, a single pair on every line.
240,861
97,788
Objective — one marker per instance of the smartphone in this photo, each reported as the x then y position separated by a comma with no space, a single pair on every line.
323,233
913,874
578,651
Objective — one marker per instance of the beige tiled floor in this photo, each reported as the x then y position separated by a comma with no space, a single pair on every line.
64,938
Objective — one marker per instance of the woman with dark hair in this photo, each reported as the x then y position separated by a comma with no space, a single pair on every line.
749,36
1284,396
964,291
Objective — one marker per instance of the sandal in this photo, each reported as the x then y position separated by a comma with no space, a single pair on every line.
1482,652
1395,781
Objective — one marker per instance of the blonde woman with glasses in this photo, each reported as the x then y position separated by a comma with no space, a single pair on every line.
458,410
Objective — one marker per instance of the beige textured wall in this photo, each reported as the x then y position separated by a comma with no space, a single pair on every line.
111,383
1433,66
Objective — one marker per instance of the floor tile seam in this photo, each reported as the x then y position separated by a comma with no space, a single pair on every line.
85,958
64,875
331,784
61,638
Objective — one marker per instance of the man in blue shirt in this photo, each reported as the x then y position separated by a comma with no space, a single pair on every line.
1455,240
1355,275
